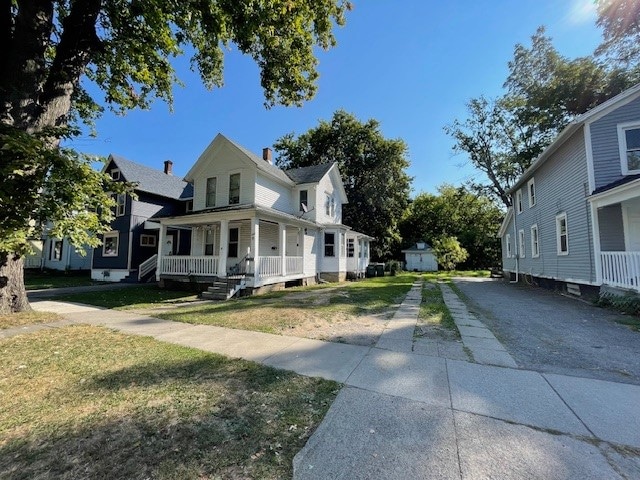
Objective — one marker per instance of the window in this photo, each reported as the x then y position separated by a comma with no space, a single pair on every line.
521,250
56,250
535,243
115,174
333,206
629,140
233,241
327,205
147,240
531,188
209,239
189,206
121,203
562,235
342,245
234,189
329,244
303,201
212,184
519,201
110,245
507,241
350,247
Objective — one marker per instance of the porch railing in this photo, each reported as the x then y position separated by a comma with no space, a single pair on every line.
189,265
621,269
269,267
293,265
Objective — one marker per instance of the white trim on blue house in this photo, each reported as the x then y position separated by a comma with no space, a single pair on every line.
589,152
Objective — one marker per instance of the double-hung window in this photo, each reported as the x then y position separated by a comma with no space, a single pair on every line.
212,187
304,198
521,250
234,189
629,142
535,242
329,244
350,247
531,188
233,242
519,201
110,244
562,234
121,204
507,241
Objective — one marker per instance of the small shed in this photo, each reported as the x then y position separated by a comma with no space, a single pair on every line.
420,258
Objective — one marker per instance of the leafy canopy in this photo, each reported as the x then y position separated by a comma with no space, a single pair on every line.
372,168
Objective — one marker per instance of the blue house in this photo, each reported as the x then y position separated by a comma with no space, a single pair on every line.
575,220
129,251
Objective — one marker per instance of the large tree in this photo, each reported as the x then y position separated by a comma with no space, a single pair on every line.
52,50
372,167
456,212
544,92
620,22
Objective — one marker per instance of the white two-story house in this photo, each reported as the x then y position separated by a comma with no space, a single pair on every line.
262,226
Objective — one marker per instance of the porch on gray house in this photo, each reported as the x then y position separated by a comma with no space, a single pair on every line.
263,249
616,220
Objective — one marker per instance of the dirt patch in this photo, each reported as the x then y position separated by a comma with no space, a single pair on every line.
355,330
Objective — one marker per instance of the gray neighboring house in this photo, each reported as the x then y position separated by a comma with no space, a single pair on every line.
420,258
575,220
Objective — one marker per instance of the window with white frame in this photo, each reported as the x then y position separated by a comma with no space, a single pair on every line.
110,244
147,240
212,186
234,240
189,206
507,241
327,205
209,241
304,200
121,204
535,241
342,245
351,247
629,142
115,174
56,250
519,201
234,189
329,244
562,234
531,189
521,249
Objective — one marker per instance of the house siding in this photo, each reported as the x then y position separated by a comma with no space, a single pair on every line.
311,251
611,228
607,167
327,186
561,186
272,194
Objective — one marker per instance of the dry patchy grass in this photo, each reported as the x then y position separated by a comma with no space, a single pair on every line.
26,318
85,402
434,319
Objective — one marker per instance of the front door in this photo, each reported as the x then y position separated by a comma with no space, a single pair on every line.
169,243
633,232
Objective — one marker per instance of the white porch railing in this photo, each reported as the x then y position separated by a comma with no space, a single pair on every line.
189,265
294,265
148,266
621,269
268,267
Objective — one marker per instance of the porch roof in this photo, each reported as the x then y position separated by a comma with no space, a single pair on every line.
616,192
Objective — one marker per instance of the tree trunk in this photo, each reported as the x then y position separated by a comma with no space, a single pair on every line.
13,296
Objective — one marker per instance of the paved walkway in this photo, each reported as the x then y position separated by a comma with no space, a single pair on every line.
403,414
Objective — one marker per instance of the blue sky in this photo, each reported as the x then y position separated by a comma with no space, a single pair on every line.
412,68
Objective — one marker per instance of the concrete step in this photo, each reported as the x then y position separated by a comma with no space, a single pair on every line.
213,296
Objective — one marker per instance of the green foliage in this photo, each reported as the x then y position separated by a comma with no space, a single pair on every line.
545,91
629,303
393,267
620,23
53,188
474,220
448,252
372,168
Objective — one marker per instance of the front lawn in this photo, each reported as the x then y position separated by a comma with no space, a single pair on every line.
37,279
86,402
139,296
26,318
448,274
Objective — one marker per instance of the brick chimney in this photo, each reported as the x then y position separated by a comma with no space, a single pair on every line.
266,155
168,167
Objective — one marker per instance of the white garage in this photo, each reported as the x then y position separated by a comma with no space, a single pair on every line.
420,258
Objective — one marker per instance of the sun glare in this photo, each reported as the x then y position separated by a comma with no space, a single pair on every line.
581,11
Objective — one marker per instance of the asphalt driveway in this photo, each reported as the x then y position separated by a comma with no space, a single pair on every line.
548,332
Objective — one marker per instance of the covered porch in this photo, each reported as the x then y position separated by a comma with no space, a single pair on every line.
260,247
616,221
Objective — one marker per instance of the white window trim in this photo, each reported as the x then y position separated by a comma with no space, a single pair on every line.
300,202
206,193
119,212
535,246
239,173
52,255
115,174
115,235
522,253
532,200
332,244
507,239
151,240
560,216
622,145
519,201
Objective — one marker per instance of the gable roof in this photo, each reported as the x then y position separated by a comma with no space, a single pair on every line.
150,180
311,174
505,223
577,123
415,249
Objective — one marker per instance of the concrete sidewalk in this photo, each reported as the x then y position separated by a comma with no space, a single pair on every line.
403,414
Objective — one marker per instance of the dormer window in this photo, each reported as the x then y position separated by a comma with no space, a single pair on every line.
629,142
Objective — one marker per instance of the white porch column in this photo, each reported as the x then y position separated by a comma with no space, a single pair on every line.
161,237
224,248
282,237
301,236
255,245
595,233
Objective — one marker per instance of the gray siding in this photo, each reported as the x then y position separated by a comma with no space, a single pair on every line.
611,228
604,143
561,186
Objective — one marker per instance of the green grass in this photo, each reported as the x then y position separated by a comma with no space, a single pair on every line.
27,318
274,313
434,314
36,279
444,275
86,402
140,296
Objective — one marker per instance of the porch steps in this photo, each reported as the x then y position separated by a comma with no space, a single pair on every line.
222,289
